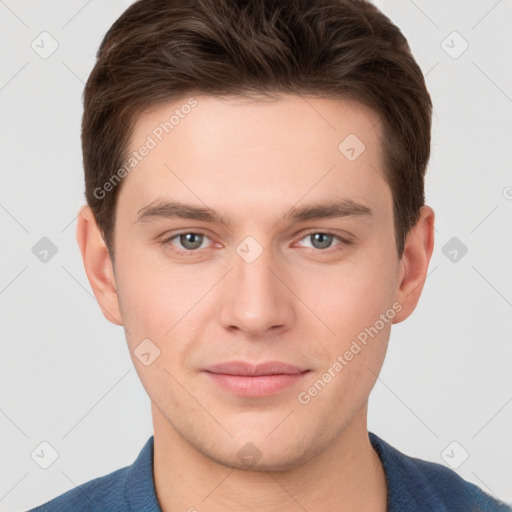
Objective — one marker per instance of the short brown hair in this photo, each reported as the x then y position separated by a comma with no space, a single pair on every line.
161,50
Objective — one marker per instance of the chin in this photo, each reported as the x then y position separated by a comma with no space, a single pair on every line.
256,450
251,458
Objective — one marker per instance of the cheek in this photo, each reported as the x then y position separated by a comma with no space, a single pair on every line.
352,297
157,300
154,307
147,302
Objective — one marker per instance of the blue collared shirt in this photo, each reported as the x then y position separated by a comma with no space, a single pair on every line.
414,485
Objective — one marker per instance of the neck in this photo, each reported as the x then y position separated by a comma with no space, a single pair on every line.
347,476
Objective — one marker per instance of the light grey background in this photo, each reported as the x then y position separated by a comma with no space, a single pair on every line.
67,377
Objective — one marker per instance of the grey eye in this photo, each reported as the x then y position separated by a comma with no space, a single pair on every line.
321,240
191,241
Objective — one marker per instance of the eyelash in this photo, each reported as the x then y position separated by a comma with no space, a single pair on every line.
329,250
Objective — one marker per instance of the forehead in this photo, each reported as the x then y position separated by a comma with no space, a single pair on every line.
257,151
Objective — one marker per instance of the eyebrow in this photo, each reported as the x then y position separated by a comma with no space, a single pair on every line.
174,209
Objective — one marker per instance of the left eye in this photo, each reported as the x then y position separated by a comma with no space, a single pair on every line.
320,240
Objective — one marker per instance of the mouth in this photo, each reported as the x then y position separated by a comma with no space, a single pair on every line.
265,379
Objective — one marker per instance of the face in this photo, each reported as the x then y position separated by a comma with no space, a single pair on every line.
265,273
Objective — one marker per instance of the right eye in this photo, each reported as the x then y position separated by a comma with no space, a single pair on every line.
189,241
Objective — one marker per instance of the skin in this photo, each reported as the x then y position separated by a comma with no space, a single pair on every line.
252,161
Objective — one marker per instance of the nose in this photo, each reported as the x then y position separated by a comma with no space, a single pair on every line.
257,302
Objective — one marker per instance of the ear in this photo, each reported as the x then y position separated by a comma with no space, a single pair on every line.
98,266
414,263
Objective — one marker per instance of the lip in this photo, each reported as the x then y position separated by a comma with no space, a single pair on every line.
265,379
252,370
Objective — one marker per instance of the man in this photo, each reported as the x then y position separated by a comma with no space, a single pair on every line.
256,222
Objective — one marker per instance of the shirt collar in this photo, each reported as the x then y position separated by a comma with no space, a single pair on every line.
402,478
140,482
